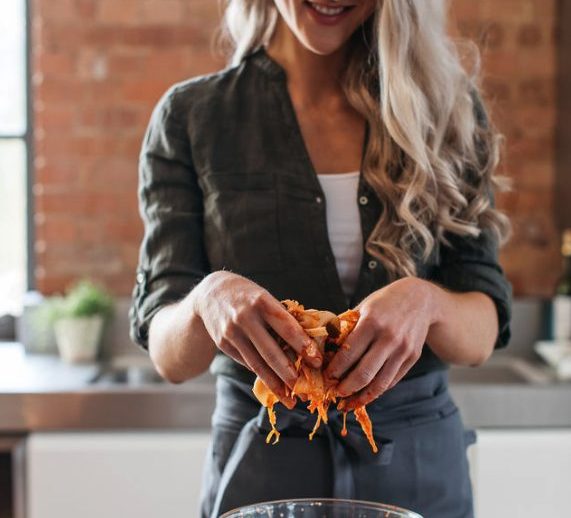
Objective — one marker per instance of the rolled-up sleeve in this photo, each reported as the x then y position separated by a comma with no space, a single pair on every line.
172,258
471,264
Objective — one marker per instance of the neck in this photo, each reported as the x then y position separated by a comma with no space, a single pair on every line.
313,79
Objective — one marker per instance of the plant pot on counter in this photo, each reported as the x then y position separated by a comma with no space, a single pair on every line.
78,338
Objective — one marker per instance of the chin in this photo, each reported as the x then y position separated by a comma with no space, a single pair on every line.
327,26
323,26
324,46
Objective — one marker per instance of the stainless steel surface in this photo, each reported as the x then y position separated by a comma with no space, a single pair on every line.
504,370
42,393
110,374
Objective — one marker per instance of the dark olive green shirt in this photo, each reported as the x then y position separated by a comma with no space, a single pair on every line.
226,182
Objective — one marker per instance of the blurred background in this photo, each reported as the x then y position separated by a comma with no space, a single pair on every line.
79,79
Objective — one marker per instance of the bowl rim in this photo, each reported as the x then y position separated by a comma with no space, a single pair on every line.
374,505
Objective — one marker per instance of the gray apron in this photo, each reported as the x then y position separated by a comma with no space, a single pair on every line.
421,465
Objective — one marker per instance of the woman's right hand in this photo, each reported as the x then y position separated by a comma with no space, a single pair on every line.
237,313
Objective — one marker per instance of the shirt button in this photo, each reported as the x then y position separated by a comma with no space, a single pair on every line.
140,277
319,200
363,200
372,264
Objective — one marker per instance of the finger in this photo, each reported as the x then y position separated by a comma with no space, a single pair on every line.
366,369
257,364
378,386
358,342
231,351
286,326
402,371
272,353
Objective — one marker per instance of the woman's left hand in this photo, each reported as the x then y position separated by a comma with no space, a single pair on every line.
386,342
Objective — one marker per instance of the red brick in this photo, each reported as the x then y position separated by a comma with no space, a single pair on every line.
86,9
537,91
123,12
60,230
127,64
529,35
170,12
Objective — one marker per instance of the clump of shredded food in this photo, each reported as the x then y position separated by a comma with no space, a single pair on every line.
328,333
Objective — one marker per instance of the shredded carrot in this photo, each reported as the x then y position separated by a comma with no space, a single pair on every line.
316,427
274,431
365,422
298,363
344,429
311,387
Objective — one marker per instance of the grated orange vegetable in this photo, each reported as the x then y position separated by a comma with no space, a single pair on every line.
311,387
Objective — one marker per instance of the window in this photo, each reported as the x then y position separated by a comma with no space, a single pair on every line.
15,141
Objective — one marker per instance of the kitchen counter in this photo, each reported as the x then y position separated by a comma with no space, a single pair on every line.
42,393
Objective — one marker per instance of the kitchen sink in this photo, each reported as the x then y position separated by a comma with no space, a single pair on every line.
139,371
502,370
126,376
127,370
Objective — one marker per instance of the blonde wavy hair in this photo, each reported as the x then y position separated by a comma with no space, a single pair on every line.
432,154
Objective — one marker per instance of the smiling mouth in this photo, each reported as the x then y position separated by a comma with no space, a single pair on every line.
328,10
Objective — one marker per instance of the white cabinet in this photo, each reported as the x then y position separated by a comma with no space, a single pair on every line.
519,473
523,473
90,475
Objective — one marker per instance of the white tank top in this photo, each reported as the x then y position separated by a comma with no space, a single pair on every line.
344,225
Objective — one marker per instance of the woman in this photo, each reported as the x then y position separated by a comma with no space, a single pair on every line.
343,160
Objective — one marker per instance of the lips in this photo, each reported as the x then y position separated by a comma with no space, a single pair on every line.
327,13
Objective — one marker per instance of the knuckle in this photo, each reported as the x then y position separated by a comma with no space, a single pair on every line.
382,385
363,376
341,359
367,321
259,301
271,356
224,345
240,318
294,335
230,332
389,333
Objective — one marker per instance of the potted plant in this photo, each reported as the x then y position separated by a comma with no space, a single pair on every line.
78,319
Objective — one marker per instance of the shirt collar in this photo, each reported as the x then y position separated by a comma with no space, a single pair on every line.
261,59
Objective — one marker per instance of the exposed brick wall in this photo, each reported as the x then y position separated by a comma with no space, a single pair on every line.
100,66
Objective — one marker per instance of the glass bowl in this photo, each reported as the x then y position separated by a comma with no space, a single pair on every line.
320,508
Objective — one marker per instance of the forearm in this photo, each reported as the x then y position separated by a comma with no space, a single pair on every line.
465,325
179,344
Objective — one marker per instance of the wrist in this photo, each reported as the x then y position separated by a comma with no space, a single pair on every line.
434,302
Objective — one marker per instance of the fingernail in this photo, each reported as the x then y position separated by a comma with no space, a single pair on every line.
316,362
329,379
288,402
310,349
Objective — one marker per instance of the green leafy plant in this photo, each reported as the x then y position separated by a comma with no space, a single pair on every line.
84,299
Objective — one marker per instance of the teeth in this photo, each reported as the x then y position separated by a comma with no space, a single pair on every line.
329,11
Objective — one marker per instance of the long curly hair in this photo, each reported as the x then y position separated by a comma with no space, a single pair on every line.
432,154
